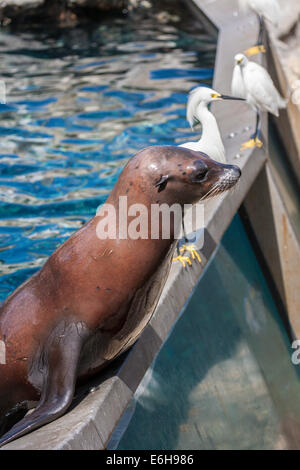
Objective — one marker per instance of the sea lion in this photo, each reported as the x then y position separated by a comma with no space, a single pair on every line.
93,297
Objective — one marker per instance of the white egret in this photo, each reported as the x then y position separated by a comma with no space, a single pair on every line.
210,143
197,111
266,10
252,82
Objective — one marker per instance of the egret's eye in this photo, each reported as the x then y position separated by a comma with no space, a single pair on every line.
215,95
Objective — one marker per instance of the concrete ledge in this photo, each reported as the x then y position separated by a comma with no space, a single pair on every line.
90,423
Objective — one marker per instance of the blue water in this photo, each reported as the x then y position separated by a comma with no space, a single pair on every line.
80,102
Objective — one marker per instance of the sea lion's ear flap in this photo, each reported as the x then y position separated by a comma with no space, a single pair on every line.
162,183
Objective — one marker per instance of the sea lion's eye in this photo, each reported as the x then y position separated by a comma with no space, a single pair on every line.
162,183
200,171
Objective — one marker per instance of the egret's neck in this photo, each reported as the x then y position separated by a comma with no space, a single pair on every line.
210,129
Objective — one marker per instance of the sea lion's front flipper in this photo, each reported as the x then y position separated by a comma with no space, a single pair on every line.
58,362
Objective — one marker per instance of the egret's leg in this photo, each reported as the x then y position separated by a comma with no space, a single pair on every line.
259,47
255,138
258,129
260,39
180,252
186,247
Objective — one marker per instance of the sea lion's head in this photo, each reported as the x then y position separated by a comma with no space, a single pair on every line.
176,174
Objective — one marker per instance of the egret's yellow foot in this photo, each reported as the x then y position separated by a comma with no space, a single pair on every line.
252,143
255,50
183,260
192,250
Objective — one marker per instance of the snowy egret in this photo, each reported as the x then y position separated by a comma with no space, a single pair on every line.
209,143
266,10
197,111
252,82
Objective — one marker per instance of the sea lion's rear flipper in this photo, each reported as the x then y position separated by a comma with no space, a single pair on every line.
59,370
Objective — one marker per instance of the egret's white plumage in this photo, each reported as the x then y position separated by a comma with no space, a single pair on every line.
267,9
252,82
197,111
237,85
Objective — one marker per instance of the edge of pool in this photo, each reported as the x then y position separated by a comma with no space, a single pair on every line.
89,425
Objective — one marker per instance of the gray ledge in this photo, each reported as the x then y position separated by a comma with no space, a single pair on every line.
90,423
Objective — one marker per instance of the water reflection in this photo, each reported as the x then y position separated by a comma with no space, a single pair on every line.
80,102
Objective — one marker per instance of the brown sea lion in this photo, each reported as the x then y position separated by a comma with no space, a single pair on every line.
93,297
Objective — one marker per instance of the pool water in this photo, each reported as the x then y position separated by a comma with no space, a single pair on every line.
80,102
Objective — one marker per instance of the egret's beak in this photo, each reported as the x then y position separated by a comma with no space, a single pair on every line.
239,61
226,97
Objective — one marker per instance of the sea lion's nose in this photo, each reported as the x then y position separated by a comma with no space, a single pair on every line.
234,171
237,170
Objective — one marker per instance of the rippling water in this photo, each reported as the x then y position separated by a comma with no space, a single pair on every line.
81,102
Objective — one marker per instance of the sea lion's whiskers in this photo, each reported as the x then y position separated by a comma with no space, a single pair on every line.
219,188
216,193
209,192
215,190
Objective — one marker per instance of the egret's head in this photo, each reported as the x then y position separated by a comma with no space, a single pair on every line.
203,96
206,95
241,60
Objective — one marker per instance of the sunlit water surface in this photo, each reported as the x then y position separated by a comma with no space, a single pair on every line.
80,102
